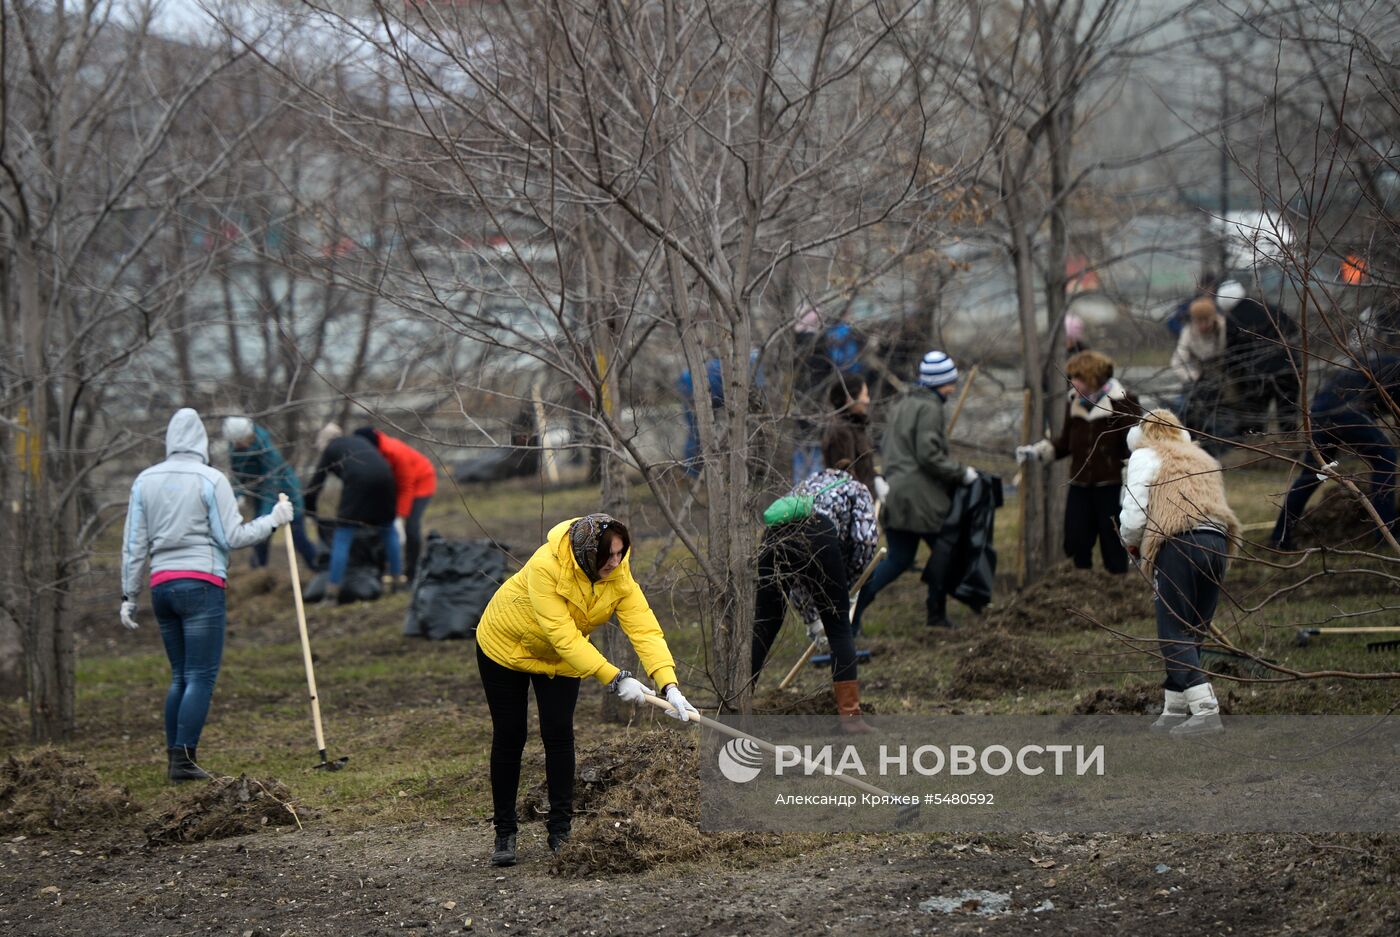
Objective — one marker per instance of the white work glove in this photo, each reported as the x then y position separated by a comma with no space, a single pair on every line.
816,633
282,512
129,616
631,690
969,475
1026,454
882,488
401,530
1327,471
682,708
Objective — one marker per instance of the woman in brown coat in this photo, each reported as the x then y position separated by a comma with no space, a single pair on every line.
1098,415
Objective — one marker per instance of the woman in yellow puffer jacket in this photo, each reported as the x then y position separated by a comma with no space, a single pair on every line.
535,632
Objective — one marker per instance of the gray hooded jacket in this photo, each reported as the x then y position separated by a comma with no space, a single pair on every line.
182,513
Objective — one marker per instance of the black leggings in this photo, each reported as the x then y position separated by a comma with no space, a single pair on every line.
808,552
507,696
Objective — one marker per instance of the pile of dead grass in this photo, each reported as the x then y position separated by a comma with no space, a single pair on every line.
1050,605
637,806
1336,520
226,807
1003,663
792,702
53,790
1134,699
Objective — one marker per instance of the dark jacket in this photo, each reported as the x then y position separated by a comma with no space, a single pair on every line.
847,440
369,491
1350,391
260,474
1095,437
1258,339
921,473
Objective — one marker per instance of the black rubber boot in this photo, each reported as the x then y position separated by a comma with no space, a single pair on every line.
505,850
557,841
185,767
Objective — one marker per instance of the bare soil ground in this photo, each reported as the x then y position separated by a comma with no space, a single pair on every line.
398,843
432,877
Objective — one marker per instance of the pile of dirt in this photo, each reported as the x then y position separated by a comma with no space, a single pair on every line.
1336,520
1004,663
226,807
792,702
1131,700
1047,607
52,790
636,806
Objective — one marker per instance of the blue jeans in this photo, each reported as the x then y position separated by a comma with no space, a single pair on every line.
902,546
300,540
1186,578
340,550
413,533
192,616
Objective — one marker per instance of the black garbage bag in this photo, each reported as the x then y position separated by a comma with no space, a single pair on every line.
362,582
963,557
456,578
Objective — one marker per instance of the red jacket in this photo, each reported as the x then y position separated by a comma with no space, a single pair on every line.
413,472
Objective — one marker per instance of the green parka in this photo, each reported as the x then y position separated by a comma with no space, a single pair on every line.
921,473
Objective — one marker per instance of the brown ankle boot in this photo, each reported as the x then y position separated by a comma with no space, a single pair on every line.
848,707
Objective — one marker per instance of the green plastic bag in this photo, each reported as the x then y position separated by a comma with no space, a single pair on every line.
790,508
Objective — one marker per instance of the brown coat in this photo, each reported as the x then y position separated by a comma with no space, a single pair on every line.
1096,438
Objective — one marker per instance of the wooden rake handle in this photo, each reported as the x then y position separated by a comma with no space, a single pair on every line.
305,640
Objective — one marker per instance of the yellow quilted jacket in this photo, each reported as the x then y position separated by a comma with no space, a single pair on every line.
539,620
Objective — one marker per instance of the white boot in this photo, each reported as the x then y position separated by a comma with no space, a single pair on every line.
1205,713
1174,712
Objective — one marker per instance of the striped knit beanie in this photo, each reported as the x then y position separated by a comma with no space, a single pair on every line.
937,369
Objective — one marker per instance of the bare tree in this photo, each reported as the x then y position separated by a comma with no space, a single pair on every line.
100,117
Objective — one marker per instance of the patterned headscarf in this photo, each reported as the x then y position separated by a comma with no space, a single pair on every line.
586,541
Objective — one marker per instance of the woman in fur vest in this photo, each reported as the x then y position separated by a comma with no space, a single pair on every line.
1098,415
1176,520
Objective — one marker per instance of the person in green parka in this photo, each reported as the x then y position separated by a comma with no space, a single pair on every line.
922,476
259,474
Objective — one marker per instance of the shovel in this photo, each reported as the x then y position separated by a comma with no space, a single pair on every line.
326,764
906,815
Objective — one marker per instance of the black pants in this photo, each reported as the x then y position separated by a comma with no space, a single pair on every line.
808,552
1090,511
1188,571
507,696
903,545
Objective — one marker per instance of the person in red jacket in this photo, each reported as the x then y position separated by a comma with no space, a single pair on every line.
417,482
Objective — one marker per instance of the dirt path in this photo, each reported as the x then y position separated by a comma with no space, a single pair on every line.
434,879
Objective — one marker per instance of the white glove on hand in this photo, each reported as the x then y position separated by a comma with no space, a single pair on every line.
969,475
1026,454
1327,470
129,616
632,690
817,634
682,709
282,512
882,488
401,530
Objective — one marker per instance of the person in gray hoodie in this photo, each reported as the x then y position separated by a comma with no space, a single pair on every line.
183,519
